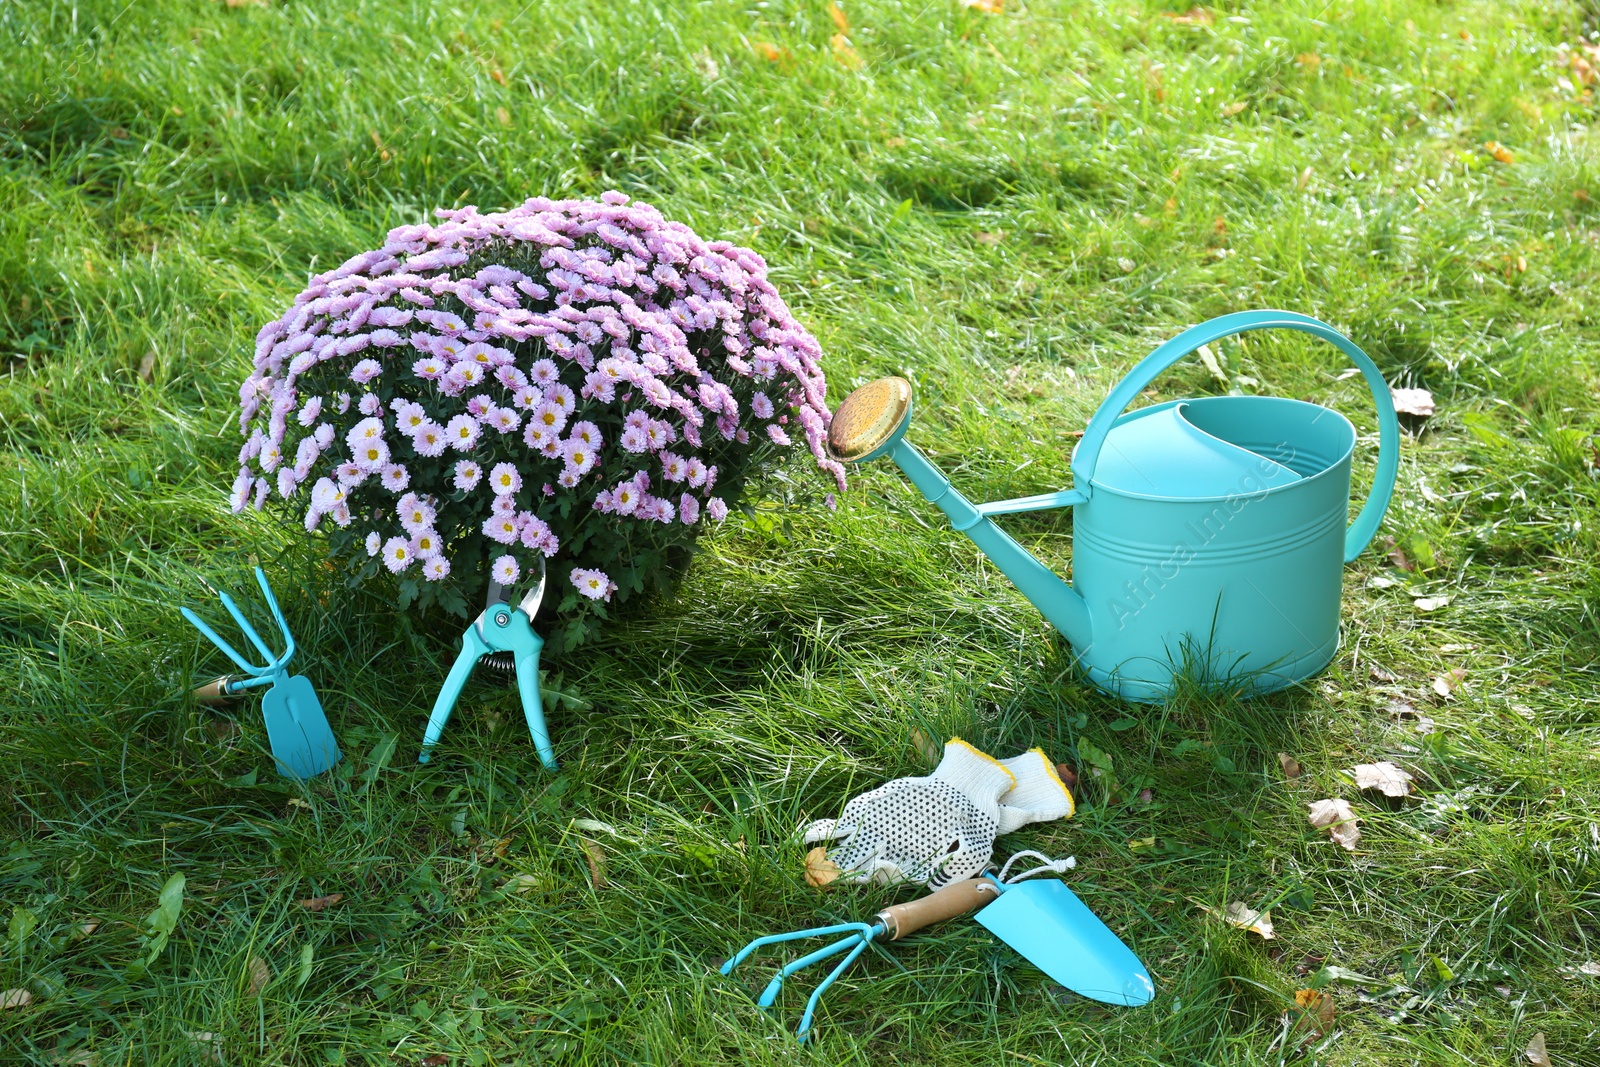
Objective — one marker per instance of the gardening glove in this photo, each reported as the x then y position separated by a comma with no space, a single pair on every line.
1039,795
935,830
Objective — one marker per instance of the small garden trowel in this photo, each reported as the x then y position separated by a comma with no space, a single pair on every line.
302,741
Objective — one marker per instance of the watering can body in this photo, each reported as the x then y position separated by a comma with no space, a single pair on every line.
1209,534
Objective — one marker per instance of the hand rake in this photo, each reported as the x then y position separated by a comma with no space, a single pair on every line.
1043,921
302,741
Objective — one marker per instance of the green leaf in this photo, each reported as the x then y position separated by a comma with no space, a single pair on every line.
1097,758
378,759
22,924
1186,746
163,922
1125,723
307,954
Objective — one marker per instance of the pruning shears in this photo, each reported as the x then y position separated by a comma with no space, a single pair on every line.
499,628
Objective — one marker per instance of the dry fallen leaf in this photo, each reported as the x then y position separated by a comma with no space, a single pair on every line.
1447,683
1337,816
1386,777
1245,918
1308,60
769,51
1499,151
1291,766
1591,968
992,7
15,998
820,870
1316,1012
927,747
1230,110
1430,603
1536,1053
498,75
596,857
260,974
1195,16
844,52
1378,674
1304,179
1417,402
319,903
837,15
502,116
989,237
147,366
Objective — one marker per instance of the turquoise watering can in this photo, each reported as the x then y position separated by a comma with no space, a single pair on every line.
1210,533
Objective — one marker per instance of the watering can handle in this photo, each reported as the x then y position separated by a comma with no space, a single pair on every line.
1366,522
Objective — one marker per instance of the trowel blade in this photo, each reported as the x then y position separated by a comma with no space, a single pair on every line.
1056,932
302,741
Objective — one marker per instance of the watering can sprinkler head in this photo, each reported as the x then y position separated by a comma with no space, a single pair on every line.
871,421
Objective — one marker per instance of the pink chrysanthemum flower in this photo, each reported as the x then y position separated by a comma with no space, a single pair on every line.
505,570
467,475
501,527
673,467
425,543
436,568
374,543
593,584
505,479
365,371
587,432
462,432
397,554
396,477
579,456
716,508
429,440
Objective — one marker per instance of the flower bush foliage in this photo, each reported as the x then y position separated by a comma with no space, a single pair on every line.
581,382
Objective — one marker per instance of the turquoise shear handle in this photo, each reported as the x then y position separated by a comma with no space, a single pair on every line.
1361,531
501,628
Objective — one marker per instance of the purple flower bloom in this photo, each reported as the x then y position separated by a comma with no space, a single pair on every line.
688,509
716,508
370,404
436,569
501,526
580,457
761,406
365,371
634,439
374,543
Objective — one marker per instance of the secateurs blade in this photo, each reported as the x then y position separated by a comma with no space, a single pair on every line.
499,628
297,728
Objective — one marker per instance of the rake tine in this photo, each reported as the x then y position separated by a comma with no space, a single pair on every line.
772,939
771,992
816,995
249,631
223,646
277,612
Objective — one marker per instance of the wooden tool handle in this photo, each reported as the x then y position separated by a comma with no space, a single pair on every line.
214,691
958,898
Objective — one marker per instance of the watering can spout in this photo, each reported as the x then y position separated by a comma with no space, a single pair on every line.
872,421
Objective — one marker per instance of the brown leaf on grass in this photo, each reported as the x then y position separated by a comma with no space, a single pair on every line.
1418,402
929,749
989,237
1230,110
1305,178
1448,682
1396,554
147,366
1313,1012
844,52
1244,917
1291,766
1499,151
260,974
1386,777
1430,603
820,870
434,1059
1308,60
1537,1054
836,13
89,927
769,51
1336,815
15,998
502,116
498,75
596,858
1378,674
320,903
992,7
1195,16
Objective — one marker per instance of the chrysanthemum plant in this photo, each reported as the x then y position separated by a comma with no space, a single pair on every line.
583,383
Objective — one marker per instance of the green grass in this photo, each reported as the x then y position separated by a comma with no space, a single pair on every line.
1012,209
